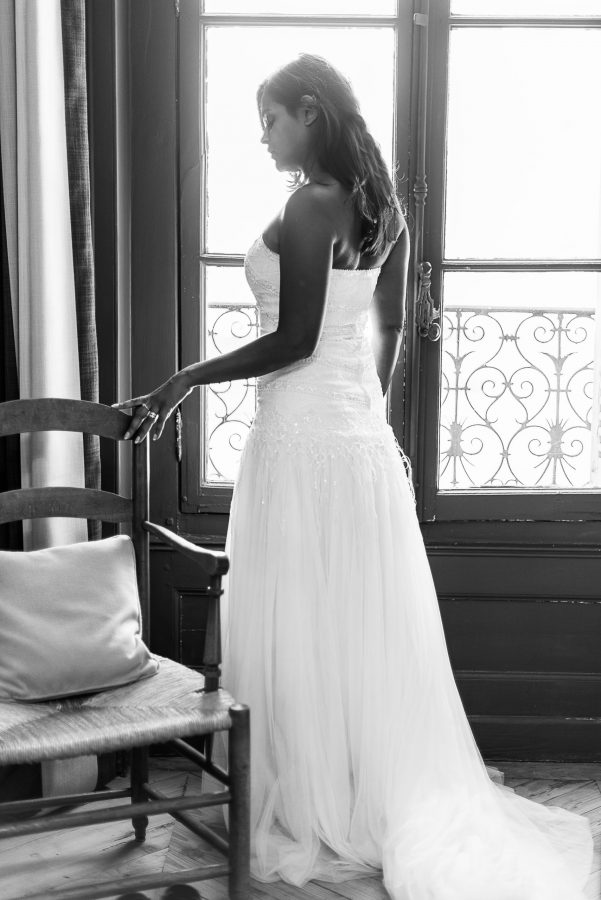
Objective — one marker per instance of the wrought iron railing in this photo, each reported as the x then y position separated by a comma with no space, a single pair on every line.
516,398
230,406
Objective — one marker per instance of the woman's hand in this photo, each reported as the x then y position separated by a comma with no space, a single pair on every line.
155,408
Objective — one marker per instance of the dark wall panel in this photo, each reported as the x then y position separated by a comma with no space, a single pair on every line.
527,661
529,635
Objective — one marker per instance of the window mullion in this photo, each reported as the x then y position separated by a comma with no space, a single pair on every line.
525,22
222,259
518,265
300,21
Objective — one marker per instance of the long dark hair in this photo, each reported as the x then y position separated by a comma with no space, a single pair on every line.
343,144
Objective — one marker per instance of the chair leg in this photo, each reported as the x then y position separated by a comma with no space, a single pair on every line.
209,741
139,776
239,818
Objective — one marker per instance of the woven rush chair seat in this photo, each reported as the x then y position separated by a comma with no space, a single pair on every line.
170,704
79,679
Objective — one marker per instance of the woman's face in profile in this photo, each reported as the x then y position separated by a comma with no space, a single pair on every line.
287,136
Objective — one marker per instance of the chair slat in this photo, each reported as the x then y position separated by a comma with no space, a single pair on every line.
56,414
79,503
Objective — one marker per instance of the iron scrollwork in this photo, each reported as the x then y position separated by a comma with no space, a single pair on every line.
516,398
230,405
517,395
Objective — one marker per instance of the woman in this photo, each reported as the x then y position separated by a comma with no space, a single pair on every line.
362,755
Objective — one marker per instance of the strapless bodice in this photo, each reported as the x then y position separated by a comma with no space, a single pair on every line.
349,296
342,368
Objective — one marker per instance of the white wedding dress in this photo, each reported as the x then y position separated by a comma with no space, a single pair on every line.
362,756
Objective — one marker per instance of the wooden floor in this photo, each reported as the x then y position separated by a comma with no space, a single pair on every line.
40,863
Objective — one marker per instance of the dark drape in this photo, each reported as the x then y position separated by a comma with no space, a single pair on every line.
78,158
17,782
11,535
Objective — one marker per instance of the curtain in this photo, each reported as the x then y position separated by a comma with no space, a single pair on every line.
78,161
49,256
43,133
11,535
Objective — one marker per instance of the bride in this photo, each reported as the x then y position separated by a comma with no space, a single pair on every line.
363,759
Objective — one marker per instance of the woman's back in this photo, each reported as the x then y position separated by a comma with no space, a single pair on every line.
335,389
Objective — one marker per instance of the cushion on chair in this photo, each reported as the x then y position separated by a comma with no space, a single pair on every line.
70,620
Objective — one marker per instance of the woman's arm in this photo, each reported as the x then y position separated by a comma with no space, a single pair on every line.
306,244
388,309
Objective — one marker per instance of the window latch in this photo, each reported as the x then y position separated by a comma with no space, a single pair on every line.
426,314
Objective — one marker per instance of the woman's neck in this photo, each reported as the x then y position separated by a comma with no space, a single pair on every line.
315,174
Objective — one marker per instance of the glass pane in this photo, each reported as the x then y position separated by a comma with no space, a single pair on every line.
231,322
526,7
244,189
524,144
517,382
303,7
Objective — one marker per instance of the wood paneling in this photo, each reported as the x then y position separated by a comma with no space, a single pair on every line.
527,634
538,737
495,569
178,614
530,693
526,661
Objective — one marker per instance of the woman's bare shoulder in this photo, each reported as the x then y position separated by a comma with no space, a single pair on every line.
309,204
311,200
309,214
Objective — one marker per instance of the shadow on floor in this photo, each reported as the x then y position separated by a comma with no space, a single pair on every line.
174,892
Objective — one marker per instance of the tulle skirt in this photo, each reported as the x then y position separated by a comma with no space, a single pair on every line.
362,757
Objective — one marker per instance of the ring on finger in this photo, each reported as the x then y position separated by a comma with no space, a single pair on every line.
151,414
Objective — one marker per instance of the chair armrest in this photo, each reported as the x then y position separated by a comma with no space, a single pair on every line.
213,562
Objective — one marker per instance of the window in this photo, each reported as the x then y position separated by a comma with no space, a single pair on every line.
518,344
504,148
239,190
514,236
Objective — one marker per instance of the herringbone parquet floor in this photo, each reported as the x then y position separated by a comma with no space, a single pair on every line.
35,863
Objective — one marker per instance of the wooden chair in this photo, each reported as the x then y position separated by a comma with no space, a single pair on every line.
184,704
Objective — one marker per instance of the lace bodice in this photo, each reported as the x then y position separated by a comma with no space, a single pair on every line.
342,368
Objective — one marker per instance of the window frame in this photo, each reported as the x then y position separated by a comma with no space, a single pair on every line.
195,498
474,505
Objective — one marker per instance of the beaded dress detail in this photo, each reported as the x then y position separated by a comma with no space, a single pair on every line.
362,756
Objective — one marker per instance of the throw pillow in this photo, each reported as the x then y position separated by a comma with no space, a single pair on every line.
70,620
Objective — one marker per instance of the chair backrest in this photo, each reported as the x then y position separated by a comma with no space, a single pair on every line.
51,414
